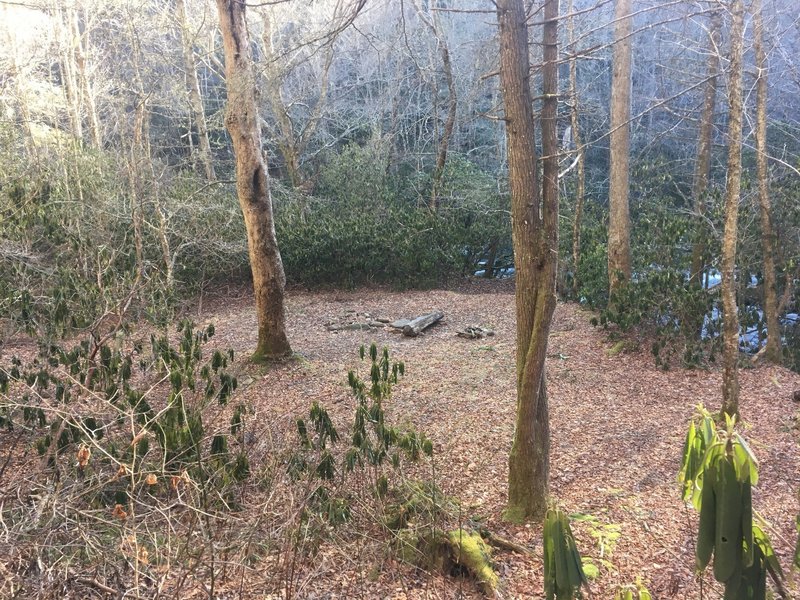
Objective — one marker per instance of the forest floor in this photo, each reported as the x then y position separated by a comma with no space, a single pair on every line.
617,428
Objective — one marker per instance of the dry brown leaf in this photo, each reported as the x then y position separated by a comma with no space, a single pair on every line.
84,454
119,512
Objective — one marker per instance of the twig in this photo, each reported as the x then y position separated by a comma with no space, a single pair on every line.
99,585
504,543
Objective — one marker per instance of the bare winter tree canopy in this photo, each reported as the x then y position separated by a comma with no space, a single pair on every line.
399,298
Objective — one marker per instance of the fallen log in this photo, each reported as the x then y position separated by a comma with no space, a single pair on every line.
414,327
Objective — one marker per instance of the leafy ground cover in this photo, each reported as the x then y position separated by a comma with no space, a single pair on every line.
617,423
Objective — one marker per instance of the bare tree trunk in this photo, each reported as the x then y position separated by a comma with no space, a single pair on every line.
252,183
193,90
491,259
68,68
163,240
14,73
138,155
772,352
85,82
534,229
434,24
580,183
140,152
619,224
702,168
290,144
730,329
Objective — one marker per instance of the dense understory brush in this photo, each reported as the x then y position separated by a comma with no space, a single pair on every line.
134,462
137,455
679,319
366,225
86,235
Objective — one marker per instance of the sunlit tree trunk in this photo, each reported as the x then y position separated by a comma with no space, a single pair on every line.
67,68
82,72
534,230
193,91
252,183
702,167
772,352
619,224
580,182
20,105
730,329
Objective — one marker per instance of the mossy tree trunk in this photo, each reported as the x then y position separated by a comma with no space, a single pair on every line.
730,323
252,183
534,229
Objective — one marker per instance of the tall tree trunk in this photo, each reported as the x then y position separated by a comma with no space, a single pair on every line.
772,352
730,329
140,153
290,144
702,167
67,67
21,110
193,91
619,224
535,249
252,182
82,69
433,23
580,183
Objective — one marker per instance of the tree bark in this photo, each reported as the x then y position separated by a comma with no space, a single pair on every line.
619,226
730,329
82,69
138,155
67,68
193,91
580,183
772,352
702,167
21,109
433,23
140,152
252,182
534,232
290,144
